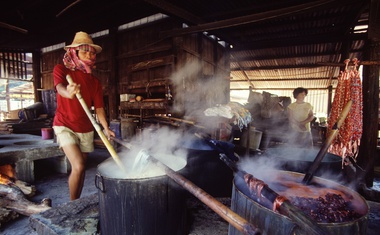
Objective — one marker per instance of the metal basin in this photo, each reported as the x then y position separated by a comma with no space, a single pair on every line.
274,223
300,159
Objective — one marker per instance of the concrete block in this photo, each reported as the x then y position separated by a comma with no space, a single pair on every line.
24,170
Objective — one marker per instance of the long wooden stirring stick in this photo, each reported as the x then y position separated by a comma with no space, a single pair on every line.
223,211
108,145
322,152
258,187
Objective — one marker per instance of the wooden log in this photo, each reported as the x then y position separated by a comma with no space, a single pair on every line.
14,199
27,189
7,215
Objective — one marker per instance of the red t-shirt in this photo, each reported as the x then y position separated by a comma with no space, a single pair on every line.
70,112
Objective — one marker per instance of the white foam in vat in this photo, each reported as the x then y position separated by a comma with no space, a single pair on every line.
110,169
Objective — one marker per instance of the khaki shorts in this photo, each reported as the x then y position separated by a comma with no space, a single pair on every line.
66,136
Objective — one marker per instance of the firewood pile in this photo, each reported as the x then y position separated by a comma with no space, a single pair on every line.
14,200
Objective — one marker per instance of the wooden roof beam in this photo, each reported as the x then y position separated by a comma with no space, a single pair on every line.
305,40
282,80
255,68
175,11
246,19
271,57
275,89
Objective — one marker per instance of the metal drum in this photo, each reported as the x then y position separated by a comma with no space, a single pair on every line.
300,160
206,170
272,223
154,205
128,128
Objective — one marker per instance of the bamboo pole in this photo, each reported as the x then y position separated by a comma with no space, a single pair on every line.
259,189
108,145
182,120
226,213
322,152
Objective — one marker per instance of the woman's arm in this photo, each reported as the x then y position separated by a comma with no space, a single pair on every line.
309,118
68,91
101,114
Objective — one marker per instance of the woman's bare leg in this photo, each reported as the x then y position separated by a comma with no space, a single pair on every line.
78,169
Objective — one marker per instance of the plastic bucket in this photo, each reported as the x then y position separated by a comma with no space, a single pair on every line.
47,133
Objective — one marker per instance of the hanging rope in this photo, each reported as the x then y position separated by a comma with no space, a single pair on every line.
349,87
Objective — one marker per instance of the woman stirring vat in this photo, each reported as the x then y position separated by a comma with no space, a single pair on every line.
73,128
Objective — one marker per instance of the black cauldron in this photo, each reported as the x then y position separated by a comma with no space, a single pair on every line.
206,170
153,205
300,160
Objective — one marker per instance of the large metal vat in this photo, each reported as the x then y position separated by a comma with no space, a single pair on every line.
272,223
206,170
153,205
300,159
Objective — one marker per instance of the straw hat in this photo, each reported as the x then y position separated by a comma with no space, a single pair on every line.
82,38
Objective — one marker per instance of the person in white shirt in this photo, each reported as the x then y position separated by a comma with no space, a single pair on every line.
300,114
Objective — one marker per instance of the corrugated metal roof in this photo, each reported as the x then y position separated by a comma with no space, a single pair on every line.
275,45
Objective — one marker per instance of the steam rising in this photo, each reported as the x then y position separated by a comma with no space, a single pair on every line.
293,159
162,143
269,169
195,93
262,168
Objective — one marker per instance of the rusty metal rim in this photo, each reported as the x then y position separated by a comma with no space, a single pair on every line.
331,184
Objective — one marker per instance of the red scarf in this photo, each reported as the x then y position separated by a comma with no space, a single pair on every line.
72,61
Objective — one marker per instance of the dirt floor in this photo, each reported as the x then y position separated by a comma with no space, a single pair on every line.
52,185
203,221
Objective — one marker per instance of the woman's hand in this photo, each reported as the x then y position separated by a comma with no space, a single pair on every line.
68,91
109,133
73,89
302,126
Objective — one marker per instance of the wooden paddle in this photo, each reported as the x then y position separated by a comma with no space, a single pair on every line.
241,224
258,188
108,145
322,152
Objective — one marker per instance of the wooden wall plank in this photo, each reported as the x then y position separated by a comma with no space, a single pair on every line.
138,61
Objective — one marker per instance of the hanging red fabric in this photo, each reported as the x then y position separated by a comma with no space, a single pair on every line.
349,87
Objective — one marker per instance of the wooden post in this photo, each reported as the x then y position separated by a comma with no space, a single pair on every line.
329,100
248,140
37,76
113,93
367,151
